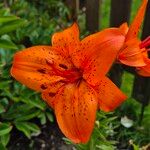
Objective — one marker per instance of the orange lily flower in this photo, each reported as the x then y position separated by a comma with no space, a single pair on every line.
134,52
70,74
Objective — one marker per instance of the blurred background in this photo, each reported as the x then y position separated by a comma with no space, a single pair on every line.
26,122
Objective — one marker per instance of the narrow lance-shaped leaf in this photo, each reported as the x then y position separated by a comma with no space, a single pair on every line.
50,117
21,127
5,28
6,44
5,139
6,19
28,128
5,128
28,116
42,118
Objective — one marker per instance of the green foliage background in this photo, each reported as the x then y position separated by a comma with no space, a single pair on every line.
24,23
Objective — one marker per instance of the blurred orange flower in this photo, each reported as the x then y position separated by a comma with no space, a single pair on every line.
70,74
134,52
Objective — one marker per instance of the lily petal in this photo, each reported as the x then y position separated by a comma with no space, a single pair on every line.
136,24
144,71
109,95
124,28
75,109
30,67
97,52
66,40
49,98
49,95
131,54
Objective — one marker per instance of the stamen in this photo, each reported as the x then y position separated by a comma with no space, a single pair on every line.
72,74
145,43
52,65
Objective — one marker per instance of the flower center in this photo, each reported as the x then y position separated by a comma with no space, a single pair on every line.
72,75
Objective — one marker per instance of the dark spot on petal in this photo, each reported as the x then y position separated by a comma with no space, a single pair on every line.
43,87
43,71
52,94
62,81
63,66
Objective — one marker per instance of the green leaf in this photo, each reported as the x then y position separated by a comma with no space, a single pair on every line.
17,110
36,103
135,147
2,109
28,116
9,94
100,134
50,117
13,25
5,128
105,147
22,127
28,128
42,117
2,147
6,19
7,44
5,139
4,84
32,127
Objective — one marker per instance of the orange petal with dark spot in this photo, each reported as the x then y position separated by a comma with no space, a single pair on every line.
30,67
49,95
49,98
66,40
109,95
97,52
75,109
